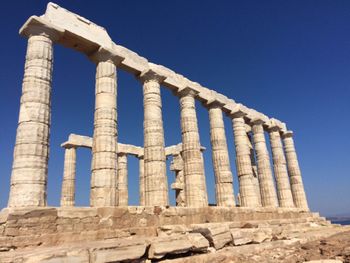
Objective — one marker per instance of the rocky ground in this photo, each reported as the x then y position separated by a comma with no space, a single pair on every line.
335,248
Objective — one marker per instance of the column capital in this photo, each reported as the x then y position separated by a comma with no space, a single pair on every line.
287,134
37,26
187,91
104,54
151,75
238,111
213,104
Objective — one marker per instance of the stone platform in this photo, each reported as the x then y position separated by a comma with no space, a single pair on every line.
52,226
138,234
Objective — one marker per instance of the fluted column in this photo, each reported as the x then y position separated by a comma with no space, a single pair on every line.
254,166
68,182
267,187
156,184
195,188
31,151
122,183
280,169
247,190
104,146
296,180
220,157
141,180
179,184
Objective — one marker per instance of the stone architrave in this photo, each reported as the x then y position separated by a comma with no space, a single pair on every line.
195,188
69,173
296,180
247,190
220,157
31,152
280,169
156,184
179,184
122,182
104,146
267,187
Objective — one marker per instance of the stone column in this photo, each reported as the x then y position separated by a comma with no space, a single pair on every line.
179,184
280,169
31,151
267,187
68,182
141,180
221,161
104,146
247,191
156,184
254,166
122,184
296,180
195,188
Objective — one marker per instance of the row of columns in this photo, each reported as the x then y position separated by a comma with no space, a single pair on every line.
29,174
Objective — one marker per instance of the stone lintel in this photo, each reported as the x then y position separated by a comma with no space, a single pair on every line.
133,63
106,54
38,26
229,105
287,134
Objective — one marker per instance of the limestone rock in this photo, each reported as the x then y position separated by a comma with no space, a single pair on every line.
218,235
176,244
199,242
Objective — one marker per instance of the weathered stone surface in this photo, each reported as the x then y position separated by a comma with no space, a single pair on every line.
30,163
198,241
296,180
156,185
68,182
104,148
122,181
120,250
217,235
247,190
285,197
195,187
176,244
221,161
267,187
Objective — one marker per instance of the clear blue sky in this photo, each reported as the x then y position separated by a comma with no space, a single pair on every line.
288,59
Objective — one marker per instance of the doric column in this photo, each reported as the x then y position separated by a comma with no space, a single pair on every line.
254,165
296,180
156,184
267,187
141,180
122,184
104,145
247,190
179,184
220,157
280,169
195,188
68,182
31,152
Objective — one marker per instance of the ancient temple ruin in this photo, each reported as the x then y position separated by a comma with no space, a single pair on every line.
29,222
